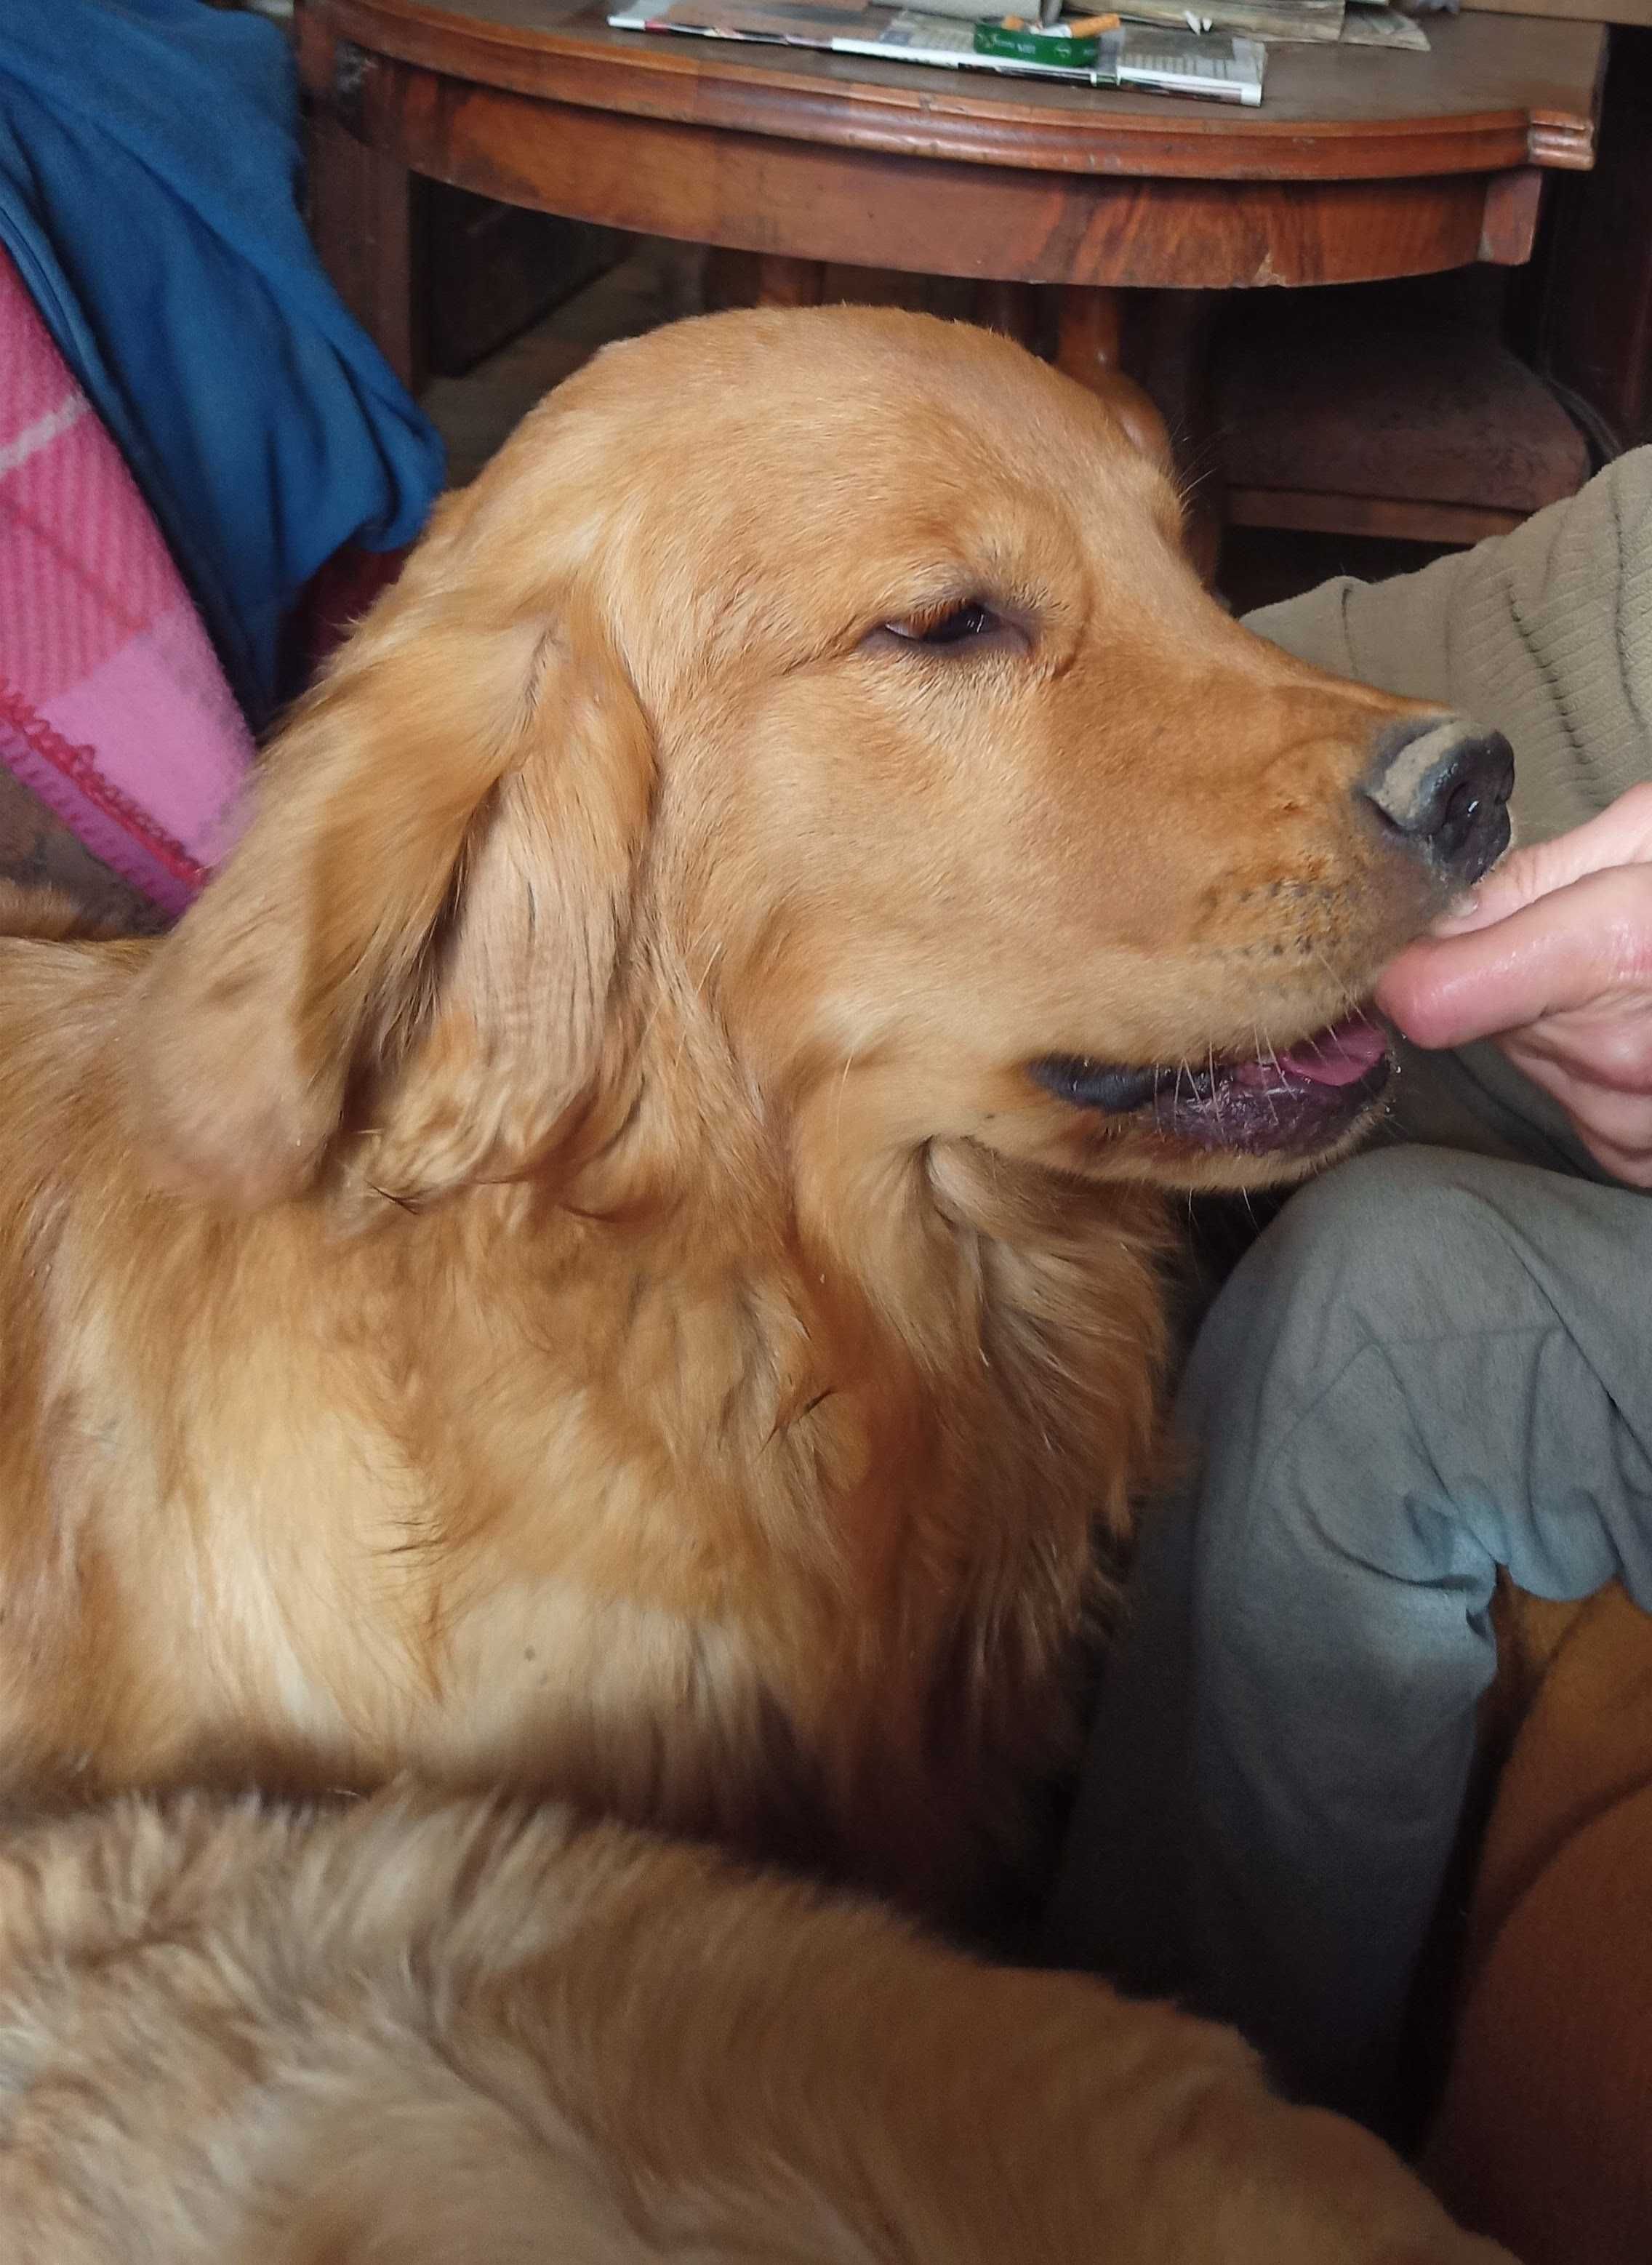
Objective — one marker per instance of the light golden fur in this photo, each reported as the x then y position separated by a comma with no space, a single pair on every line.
556,1272
409,2034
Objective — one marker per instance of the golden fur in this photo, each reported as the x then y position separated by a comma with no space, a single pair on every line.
1541,2136
557,1272
415,2034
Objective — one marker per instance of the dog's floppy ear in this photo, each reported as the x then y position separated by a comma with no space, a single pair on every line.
425,910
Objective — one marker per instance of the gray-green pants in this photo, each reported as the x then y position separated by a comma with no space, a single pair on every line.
1434,1364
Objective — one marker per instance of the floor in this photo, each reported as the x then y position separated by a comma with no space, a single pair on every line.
659,282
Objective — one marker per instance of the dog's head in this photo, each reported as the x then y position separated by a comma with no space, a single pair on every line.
848,663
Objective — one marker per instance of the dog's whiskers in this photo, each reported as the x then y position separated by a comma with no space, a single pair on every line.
1345,998
837,1126
696,986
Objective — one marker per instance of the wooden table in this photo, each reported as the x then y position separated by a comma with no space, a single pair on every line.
1360,165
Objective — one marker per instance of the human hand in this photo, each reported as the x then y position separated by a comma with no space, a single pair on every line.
1553,958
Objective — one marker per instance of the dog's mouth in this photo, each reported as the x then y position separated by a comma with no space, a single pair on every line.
1294,1102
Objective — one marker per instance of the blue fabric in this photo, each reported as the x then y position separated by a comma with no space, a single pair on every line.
149,172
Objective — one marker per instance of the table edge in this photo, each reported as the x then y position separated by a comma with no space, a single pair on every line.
669,81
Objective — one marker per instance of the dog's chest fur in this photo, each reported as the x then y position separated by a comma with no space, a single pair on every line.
678,1522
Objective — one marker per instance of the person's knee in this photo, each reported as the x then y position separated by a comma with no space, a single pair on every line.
1396,1248
1399,1241
1407,1193
1307,1415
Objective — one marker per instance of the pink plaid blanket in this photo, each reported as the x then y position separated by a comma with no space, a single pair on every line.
114,709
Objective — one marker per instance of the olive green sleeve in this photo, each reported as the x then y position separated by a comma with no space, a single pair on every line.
1546,634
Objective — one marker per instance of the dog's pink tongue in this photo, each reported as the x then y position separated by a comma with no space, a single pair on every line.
1340,1055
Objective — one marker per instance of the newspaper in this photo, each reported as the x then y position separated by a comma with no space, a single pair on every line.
969,11
1307,20
1374,24
1165,62
1287,23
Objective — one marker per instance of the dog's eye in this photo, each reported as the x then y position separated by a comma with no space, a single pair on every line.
971,626
955,627
965,625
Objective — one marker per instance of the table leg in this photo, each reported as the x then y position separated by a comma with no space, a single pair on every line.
1176,370
1088,329
1087,348
363,218
789,282
730,280
1011,308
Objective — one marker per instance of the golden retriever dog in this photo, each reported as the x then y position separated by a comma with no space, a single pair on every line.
414,2033
616,1249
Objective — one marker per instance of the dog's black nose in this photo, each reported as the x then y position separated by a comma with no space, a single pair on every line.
1442,787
